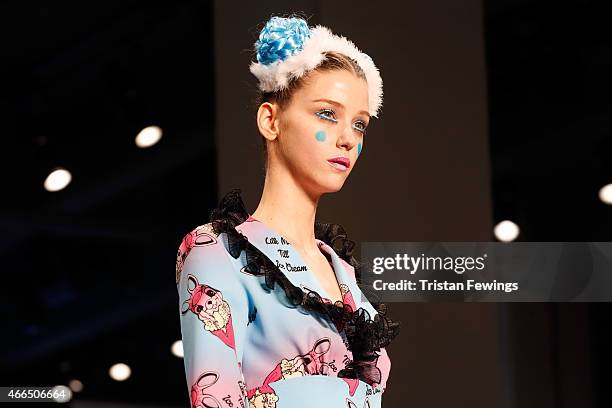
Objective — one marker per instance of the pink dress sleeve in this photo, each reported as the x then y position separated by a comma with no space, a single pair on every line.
213,307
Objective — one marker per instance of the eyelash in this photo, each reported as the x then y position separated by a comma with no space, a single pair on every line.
321,112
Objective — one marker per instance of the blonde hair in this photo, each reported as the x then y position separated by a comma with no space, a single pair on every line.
334,61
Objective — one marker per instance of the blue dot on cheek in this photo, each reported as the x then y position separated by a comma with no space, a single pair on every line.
359,149
320,136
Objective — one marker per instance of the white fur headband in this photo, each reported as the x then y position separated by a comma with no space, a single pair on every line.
287,49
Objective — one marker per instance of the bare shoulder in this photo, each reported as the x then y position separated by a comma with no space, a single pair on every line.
202,236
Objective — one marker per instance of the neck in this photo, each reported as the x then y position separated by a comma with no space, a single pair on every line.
290,210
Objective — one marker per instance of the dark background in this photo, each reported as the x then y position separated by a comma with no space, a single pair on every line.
88,272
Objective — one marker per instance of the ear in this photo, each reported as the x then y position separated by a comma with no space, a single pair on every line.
322,346
185,307
192,280
207,379
268,120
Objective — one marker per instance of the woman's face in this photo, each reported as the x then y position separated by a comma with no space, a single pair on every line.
325,121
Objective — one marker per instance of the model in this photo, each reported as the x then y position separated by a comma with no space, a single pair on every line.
270,308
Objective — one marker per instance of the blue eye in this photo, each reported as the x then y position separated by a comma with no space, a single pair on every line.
327,114
361,129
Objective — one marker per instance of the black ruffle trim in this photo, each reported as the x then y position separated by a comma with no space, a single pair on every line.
365,336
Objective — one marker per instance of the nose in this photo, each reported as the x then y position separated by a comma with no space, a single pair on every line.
347,138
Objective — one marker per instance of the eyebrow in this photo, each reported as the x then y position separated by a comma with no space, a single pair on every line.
338,104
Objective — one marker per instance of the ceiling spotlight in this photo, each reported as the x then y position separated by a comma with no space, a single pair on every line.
57,180
75,385
120,372
148,136
605,194
506,231
177,348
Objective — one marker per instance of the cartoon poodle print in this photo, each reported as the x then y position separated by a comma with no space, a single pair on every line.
347,296
200,236
199,399
310,363
351,404
347,299
208,305
265,399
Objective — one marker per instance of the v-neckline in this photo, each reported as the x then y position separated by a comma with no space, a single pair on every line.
324,248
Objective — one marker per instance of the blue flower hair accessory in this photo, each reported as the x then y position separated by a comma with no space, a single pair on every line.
287,49
281,38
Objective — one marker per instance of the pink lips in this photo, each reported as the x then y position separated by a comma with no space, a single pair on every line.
340,163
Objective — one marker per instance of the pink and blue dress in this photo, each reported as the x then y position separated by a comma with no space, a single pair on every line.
258,330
